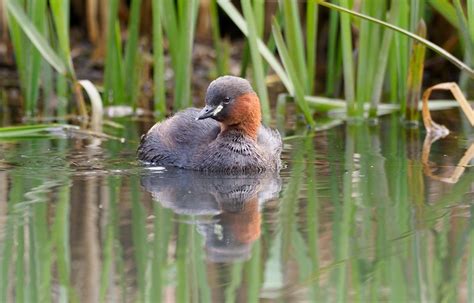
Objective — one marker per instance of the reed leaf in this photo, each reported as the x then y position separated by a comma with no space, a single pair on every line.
158,59
312,11
17,12
113,69
446,9
170,25
294,39
466,39
131,51
28,130
60,9
470,18
291,70
382,59
333,54
183,53
415,76
347,61
216,39
259,77
34,59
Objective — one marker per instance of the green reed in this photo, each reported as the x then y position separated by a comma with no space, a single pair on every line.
60,58
256,59
113,70
179,22
373,68
159,85
221,58
347,61
28,59
466,20
415,76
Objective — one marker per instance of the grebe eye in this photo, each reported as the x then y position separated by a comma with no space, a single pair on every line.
226,100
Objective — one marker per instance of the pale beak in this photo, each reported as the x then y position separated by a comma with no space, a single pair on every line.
209,111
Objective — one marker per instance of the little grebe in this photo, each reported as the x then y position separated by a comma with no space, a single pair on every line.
234,140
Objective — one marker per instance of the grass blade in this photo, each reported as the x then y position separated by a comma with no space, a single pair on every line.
259,77
415,76
27,130
60,15
311,40
382,62
113,70
347,61
36,38
216,38
183,54
158,60
299,91
333,53
294,39
37,13
446,9
470,17
131,51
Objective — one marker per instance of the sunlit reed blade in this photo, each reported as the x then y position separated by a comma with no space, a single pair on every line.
257,66
38,16
216,39
36,38
295,79
183,54
382,59
112,69
131,53
467,42
28,130
333,53
294,39
312,11
347,61
159,85
415,76
446,9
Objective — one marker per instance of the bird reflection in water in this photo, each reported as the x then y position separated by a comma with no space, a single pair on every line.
233,202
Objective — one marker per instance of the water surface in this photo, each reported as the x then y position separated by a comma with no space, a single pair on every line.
357,214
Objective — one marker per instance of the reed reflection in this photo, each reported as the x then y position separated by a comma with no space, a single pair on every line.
226,209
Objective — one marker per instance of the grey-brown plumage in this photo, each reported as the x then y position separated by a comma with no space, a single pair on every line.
237,143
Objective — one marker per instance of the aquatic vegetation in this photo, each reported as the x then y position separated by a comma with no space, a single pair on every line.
62,61
364,52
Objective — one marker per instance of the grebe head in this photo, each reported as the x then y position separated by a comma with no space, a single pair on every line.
232,101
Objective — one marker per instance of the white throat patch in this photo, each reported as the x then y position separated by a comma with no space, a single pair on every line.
217,110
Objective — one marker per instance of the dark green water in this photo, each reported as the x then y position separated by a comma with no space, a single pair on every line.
353,217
